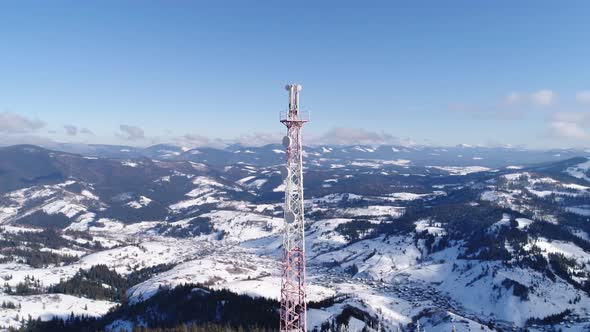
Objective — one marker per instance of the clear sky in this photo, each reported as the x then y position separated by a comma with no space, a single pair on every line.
191,72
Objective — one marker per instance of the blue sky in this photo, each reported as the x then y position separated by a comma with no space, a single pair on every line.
192,72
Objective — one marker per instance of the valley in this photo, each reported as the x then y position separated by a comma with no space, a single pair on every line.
392,237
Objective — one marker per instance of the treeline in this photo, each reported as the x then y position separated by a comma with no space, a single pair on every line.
35,257
26,247
204,328
90,283
551,319
356,230
190,307
30,286
196,226
564,267
70,325
97,283
170,308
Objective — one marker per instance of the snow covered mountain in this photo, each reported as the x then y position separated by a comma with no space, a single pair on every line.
272,154
494,240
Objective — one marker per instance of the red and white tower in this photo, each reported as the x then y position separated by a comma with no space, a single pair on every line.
293,299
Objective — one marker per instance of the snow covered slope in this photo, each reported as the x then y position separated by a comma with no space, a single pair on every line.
394,242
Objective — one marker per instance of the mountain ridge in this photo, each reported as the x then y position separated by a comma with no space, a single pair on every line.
398,241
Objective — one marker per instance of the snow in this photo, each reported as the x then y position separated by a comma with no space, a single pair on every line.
7,213
17,229
200,191
397,162
143,202
246,179
430,227
66,208
130,164
370,164
500,198
65,251
568,249
523,222
50,199
504,222
337,166
581,234
89,195
243,254
461,170
406,196
242,226
252,182
374,210
207,181
257,183
396,254
335,198
580,171
47,306
470,286
208,191
583,210
279,188
361,149
235,267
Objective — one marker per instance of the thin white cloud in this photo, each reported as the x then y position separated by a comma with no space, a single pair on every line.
570,125
543,98
583,97
568,130
6,140
192,140
335,136
352,136
258,139
514,106
197,139
71,130
12,123
513,98
131,133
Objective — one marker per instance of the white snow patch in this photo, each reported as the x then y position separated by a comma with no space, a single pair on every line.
461,170
580,171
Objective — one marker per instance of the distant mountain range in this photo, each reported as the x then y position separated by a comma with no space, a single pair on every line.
272,154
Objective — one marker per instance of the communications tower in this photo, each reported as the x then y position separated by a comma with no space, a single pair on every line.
293,299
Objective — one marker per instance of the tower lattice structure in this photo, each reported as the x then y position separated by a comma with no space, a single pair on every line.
293,297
